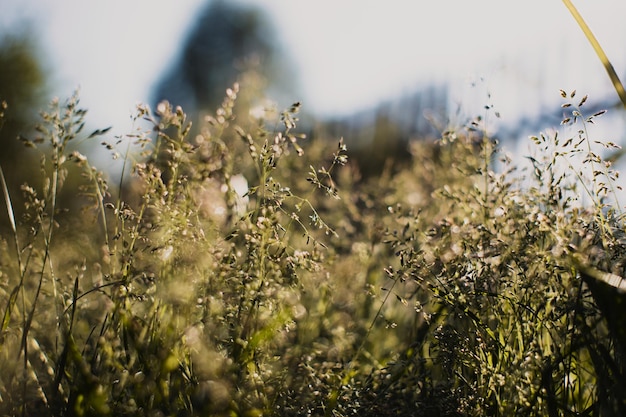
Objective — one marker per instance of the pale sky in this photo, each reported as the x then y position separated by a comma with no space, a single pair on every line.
349,54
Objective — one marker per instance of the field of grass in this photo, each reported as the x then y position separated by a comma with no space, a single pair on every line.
249,271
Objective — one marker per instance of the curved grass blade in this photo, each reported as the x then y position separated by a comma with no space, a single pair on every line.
7,200
617,84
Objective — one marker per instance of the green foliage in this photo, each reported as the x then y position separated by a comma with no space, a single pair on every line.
245,272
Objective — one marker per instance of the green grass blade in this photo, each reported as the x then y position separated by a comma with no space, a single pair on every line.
7,199
6,318
617,84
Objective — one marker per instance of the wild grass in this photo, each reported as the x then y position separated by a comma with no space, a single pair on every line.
245,271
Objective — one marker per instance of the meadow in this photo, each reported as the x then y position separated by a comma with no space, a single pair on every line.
245,270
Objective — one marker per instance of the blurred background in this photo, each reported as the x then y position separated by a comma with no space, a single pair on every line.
369,71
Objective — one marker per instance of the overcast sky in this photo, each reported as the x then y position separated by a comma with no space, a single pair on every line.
349,54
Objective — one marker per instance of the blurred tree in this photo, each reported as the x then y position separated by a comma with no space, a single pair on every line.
378,138
228,40
22,87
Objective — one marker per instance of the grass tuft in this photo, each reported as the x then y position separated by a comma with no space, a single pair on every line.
250,271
